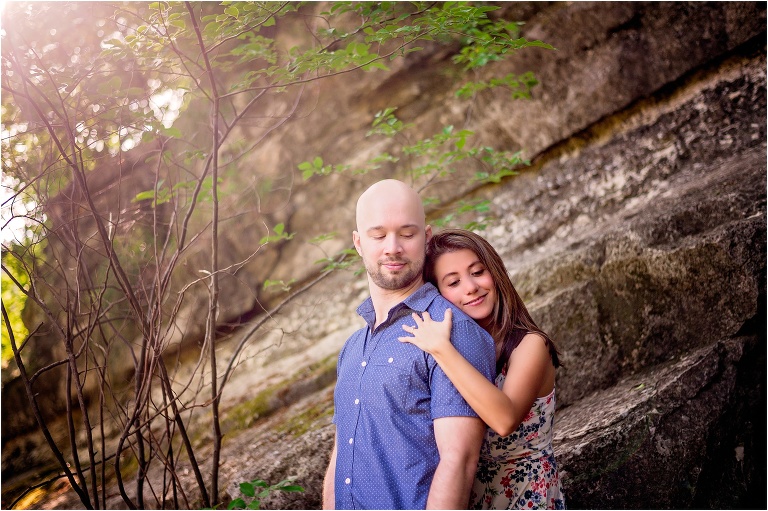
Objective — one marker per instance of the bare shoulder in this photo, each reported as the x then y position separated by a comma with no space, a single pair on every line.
534,342
532,352
532,362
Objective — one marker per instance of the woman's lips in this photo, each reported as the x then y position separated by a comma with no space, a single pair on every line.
476,301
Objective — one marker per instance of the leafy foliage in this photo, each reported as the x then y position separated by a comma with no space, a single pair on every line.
437,158
254,491
14,278
258,489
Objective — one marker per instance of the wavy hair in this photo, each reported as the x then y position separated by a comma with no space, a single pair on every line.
511,319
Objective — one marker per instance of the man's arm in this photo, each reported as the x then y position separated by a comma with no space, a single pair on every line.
329,494
458,442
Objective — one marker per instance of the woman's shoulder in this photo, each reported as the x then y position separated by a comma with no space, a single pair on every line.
532,348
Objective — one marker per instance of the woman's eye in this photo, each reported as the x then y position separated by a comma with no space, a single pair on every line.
478,273
453,284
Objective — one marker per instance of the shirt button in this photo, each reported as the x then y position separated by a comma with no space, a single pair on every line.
357,401
364,363
347,480
351,440
390,360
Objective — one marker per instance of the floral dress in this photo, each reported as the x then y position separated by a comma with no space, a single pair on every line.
519,471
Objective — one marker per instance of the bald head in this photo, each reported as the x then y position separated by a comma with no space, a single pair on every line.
385,197
391,236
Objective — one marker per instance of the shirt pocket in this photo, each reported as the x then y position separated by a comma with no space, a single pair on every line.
388,381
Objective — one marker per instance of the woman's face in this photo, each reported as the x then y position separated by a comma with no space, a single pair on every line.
467,283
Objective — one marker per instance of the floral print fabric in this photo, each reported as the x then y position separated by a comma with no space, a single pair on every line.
519,471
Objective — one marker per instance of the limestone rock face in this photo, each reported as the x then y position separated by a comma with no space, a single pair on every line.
637,238
630,51
645,236
648,440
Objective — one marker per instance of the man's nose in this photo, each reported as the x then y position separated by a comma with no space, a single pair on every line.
392,245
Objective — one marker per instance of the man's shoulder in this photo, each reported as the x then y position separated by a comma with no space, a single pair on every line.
353,339
467,325
440,304
470,339
360,332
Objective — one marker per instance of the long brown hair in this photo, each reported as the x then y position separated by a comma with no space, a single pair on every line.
511,320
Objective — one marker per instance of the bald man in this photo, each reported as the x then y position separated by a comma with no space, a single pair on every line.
405,438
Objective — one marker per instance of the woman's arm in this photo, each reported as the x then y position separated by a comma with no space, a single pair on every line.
503,411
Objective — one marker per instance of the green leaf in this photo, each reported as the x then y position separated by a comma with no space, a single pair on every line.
323,237
149,194
247,489
292,488
284,286
114,42
232,11
280,234
377,64
259,482
236,504
540,44
212,27
255,504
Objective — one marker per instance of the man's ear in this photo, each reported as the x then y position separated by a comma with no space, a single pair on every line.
428,233
356,241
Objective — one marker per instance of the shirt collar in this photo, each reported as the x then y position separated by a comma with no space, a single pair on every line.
418,301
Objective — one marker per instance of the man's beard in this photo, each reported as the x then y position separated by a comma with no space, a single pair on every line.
392,282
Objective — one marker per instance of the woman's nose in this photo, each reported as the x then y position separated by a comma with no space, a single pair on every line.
470,286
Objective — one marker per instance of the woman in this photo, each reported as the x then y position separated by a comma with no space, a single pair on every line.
517,467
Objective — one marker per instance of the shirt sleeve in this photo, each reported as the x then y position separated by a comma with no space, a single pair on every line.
475,345
338,365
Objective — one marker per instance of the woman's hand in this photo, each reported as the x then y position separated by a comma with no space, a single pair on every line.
431,336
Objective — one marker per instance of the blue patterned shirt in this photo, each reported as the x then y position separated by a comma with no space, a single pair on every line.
387,395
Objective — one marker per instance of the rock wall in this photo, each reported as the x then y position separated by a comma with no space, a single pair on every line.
608,58
637,237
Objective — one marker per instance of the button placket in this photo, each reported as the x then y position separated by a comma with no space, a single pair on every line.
363,364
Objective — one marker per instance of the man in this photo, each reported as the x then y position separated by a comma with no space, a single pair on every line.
405,438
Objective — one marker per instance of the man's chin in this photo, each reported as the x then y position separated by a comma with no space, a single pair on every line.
393,282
